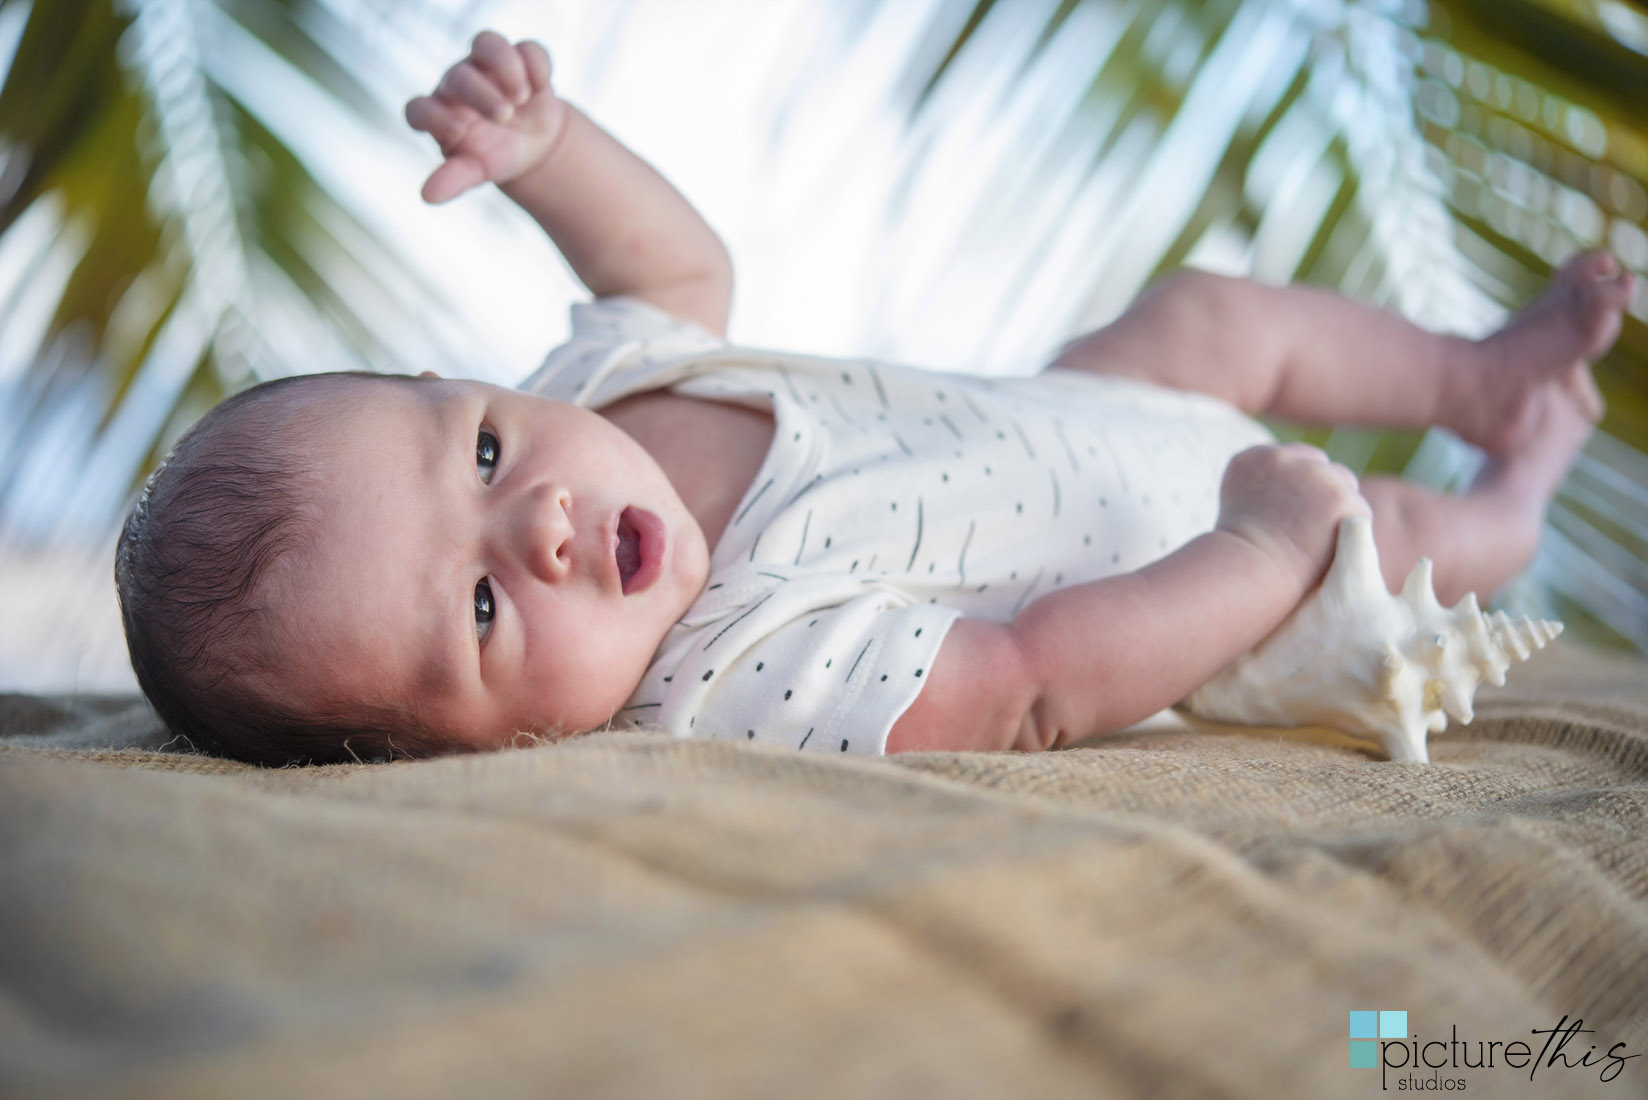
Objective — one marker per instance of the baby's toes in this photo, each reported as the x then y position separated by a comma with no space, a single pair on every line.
1616,291
1585,269
1600,307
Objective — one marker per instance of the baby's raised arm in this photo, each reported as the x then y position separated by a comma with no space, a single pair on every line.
619,223
1096,657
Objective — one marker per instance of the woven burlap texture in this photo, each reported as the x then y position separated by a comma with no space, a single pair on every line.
1185,913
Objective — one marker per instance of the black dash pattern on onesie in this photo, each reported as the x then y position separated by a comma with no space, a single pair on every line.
824,609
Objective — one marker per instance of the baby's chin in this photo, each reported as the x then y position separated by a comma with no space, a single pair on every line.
453,745
532,731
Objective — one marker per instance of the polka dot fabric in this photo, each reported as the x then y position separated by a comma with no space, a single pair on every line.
893,501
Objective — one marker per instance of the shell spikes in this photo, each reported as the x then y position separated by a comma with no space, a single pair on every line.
1358,659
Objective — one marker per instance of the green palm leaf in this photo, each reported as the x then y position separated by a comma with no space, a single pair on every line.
191,214
1434,158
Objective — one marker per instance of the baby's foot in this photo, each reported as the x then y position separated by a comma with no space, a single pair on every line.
1542,359
1521,481
1539,403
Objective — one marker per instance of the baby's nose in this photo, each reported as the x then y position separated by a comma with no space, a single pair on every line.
543,531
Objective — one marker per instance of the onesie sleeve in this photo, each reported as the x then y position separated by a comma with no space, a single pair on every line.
617,344
830,679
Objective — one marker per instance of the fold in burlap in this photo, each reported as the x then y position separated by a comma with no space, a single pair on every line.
1167,914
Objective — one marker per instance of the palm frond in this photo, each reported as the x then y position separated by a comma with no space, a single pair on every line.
168,232
1436,159
198,226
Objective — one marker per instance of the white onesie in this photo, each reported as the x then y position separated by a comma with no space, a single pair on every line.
893,501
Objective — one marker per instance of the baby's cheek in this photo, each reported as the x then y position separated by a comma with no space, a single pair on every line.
584,667
581,692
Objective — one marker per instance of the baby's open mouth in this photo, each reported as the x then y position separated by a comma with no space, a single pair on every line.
640,548
629,549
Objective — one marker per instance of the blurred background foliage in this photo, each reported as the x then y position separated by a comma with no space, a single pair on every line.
198,194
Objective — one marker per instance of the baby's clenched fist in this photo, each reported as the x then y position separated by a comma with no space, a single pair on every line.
493,114
1288,500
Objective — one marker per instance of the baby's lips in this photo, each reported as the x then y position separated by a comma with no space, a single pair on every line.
650,547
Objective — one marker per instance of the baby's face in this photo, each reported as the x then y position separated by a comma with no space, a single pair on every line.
496,560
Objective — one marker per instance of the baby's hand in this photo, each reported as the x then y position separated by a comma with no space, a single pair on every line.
1288,500
494,115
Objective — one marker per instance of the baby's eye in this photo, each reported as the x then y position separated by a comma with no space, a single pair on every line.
487,452
484,608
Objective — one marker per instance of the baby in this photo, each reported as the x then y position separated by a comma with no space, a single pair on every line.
661,528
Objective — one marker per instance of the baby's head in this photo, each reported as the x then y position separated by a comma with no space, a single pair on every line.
337,567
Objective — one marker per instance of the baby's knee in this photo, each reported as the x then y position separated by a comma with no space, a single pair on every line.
1189,296
1405,527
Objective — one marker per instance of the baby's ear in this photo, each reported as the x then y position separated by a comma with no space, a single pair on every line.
429,374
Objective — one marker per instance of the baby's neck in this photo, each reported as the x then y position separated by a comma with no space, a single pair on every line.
710,451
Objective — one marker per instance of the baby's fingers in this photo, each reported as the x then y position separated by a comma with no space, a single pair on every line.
444,122
493,55
452,179
536,60
466,84
1304,450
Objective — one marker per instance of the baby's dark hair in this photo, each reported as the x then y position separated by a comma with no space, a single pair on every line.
190,568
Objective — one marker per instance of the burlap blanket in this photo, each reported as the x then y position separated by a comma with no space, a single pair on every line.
1167,914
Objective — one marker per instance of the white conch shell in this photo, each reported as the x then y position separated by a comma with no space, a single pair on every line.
1356,658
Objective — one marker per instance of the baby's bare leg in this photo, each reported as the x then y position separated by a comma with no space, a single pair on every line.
1480,539
1314,357
1296,353
1411,522
1524,395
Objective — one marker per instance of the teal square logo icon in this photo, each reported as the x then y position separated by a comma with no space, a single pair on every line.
1367,1029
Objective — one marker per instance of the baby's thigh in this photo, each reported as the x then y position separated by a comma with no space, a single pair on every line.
1190,332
